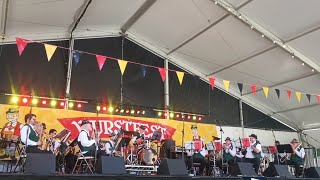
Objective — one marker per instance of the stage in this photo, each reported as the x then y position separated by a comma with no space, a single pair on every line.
122,177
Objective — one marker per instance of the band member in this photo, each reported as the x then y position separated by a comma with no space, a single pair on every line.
87,144
253,154
229,151
297,157
29,136
110,145
279,157
140,138
52,143
10,133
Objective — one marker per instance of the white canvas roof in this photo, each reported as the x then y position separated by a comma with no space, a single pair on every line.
221,39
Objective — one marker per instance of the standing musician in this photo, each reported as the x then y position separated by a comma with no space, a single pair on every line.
229,151
297,157
30,137
253,154
110,145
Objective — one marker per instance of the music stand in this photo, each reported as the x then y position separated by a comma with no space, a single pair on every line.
283,148
189,145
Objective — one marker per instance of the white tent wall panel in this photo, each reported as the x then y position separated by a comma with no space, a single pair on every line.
309,45
307,118
169,23
285,18
264,136
105,15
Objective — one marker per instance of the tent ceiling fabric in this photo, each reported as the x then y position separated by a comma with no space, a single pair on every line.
202,38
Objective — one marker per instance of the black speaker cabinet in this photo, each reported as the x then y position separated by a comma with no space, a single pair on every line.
313,172
243,169
166,148
277,170
112,165
40,163
172,167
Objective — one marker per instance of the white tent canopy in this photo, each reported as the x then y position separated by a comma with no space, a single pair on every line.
272,43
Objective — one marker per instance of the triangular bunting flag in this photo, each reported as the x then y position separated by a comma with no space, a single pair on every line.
318,98
289,94
309,97
266,91
180,76
254,89
122,65
226,85
76,57
101,60
50,49
21,44
278,92
240,86
298,94
162,72
212,81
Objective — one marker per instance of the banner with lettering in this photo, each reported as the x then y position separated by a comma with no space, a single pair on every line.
60,119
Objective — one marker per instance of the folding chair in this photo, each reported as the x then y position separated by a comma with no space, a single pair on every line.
84,162
21,160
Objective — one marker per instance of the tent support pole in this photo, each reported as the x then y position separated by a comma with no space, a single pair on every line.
69,70
241,118
166,88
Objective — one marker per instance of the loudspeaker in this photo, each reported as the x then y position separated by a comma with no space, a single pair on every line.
243,169
173,167
40,163
277,170
312,172
166,148
112,165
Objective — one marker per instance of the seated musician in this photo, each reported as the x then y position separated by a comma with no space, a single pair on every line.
253,154
86,144
140,138
229,152
297,157
30,137
110,145
279,158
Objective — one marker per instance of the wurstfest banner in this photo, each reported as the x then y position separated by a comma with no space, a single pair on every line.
60,119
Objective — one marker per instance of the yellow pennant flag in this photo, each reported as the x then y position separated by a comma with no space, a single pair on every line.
180,76
226,84
266,91
50,49
298,94
122,65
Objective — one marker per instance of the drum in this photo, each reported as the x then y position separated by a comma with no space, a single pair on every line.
148,156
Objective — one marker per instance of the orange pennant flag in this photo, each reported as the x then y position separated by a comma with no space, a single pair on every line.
180,76
122,65
226,85
298,94
50,49
266,91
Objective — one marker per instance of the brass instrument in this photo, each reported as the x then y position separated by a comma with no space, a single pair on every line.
42,135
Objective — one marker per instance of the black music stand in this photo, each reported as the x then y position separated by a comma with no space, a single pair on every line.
283,148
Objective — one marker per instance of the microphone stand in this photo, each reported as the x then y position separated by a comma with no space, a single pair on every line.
183,120
221,140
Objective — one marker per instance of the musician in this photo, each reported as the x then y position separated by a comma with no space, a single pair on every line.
87,144
278,157
229,152
29,136
140,138
110,145
297,157
253,154
52,143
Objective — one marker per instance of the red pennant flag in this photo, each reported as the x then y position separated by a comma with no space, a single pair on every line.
254,89
212,81
162,72
289,94
101,60
21,44
318,98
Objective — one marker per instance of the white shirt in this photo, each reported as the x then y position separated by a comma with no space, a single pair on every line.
108,147
249,154
25,132
300,153
231,151
83,139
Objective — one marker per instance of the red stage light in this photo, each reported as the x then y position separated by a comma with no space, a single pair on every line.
178,115
104,108
127,111
62,104
44,102
25,100
138,112
79,105
117,110
189,117
200,118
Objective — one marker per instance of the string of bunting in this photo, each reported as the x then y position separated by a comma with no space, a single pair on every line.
50,49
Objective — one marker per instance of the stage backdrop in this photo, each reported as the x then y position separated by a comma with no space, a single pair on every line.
59,119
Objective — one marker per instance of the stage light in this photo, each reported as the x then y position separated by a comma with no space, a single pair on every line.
127,111
143,112
189,117
71,104
132,111
159,113
14,99
25,100
165,114
44,102
62,104
111,109
178,115
194,117
122,110
53,103
117,110
98,108
104,108
79,106
138,112
171,115
200,118
35,101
